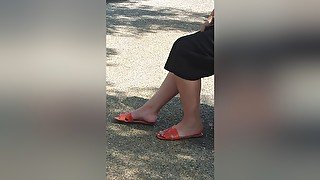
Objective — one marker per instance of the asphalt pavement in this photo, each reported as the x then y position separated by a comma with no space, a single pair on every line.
139,36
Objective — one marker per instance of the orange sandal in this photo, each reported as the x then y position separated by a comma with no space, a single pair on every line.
127,118
171,134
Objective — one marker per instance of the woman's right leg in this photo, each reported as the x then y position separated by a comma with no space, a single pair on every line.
151,108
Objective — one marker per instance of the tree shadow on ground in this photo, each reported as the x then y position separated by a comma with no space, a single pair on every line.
128,20
133,150
109,53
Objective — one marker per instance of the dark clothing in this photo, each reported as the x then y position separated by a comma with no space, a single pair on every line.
191,56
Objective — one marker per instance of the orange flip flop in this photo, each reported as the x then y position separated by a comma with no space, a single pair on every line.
127,118
171,134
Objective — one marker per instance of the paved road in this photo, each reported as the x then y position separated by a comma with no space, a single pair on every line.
139,37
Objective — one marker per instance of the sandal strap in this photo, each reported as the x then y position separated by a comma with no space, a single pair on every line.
126,117
171,133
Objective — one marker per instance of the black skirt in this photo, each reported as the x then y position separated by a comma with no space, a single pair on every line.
191,56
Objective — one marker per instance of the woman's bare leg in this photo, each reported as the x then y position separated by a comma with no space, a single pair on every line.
190,98
151,108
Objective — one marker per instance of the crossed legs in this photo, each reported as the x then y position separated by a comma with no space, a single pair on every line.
190,98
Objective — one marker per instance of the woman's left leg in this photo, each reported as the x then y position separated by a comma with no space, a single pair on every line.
189,91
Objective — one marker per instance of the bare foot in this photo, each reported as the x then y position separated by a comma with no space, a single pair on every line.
189,126
145,113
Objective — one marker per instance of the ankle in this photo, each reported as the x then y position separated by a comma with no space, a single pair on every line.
190,122
150,109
